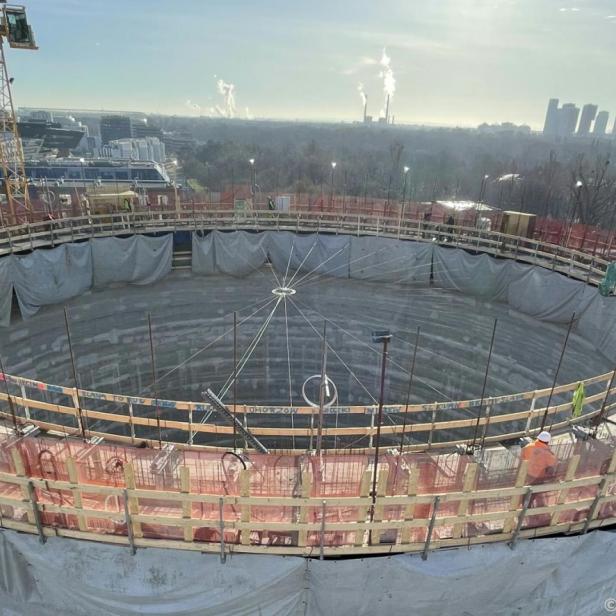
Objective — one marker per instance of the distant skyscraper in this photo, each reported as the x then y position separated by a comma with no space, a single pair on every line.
588,115
141,129
551,118
115,127
601,123
567,119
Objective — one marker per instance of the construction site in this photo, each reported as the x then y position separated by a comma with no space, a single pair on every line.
213,410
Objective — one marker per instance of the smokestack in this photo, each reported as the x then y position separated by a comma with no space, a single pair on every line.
365,107
387,111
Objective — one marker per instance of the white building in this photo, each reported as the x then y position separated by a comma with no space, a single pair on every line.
147,148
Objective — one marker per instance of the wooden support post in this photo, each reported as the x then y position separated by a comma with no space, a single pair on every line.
131,424
521,516
469,482
322,531
22,387
186,504
379,509
601,492
531,414
562,495
73,477
362,511
129,524
432,426
245,509
520,480
409,512
20,471
133,502
35,511
424,555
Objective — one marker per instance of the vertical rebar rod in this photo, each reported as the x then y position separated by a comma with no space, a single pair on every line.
154,381
483,389
322,389
377,445
601,415
234,379
435,505
223,554
408,391
74,368
560,361
8,396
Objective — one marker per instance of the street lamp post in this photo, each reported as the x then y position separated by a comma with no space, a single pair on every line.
253,181
383,337
331,181
178,205
406,175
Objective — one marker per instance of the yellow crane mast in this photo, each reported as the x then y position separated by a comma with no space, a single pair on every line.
15,30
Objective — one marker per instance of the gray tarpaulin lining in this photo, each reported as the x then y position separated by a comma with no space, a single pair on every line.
531,290
53,276
564,576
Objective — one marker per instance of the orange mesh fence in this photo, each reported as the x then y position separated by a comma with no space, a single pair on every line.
93,479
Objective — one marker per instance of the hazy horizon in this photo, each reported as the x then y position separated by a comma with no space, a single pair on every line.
455,63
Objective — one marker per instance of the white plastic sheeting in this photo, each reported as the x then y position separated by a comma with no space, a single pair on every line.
6,290
138,259
480,276
51,276
381,259
564,576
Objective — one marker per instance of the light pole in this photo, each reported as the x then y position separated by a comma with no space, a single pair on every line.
331,181
383,337
253,181
178,205
482,190
578,189
406,175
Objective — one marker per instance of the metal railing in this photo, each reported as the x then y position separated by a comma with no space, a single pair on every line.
573,263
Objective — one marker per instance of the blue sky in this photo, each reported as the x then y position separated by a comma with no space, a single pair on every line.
454,61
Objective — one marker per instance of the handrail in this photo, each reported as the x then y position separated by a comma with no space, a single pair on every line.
477,506
574,263
83,415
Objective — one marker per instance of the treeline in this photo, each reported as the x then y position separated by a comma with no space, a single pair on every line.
524,172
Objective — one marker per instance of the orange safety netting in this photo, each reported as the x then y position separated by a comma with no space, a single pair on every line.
100,471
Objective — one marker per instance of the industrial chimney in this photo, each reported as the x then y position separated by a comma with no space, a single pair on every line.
365,108
387,111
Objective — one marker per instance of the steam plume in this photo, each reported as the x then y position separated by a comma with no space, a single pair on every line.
362,94
227,90
389,81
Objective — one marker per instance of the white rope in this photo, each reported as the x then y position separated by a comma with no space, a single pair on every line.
251,347
334,352
286,273
302,263
286,323
213,342
392,361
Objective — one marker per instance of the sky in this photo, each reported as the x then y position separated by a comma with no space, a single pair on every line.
454,62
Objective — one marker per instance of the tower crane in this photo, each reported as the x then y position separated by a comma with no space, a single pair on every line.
14,30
